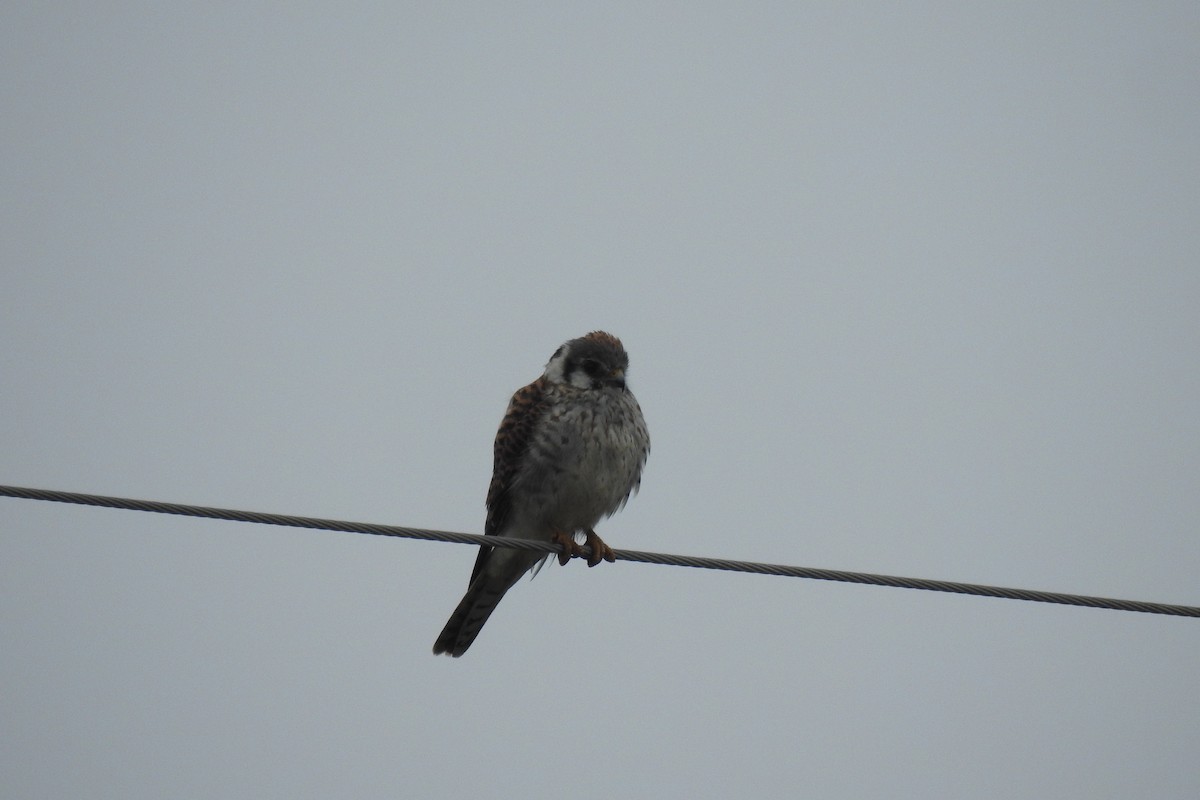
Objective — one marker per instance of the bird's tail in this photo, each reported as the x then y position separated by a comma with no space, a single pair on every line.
495,573
501,570
467,620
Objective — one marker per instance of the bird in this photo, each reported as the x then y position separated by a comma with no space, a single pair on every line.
569,452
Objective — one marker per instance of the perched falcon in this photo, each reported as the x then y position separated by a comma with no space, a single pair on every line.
569,452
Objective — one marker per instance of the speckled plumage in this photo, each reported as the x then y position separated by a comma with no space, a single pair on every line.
569,452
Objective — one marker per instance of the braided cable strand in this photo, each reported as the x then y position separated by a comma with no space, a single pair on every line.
643,557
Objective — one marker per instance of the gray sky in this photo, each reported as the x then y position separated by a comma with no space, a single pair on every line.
906,290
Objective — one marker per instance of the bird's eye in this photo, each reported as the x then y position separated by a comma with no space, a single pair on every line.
592,367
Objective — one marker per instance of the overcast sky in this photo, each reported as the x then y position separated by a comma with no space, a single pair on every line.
906,288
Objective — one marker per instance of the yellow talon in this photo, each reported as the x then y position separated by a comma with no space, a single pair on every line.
600,551
569,547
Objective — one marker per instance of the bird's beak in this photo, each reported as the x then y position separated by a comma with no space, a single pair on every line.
616,378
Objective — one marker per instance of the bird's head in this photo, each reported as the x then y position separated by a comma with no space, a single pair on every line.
595,361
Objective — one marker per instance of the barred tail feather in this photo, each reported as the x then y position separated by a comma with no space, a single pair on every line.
467,620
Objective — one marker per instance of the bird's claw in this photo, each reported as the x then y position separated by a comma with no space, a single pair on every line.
571,548
600,551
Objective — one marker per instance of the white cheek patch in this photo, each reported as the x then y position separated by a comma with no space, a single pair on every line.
580,380
554,369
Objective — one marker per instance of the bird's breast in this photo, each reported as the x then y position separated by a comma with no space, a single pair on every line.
584,459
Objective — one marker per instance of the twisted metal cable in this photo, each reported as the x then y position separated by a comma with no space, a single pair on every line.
757,568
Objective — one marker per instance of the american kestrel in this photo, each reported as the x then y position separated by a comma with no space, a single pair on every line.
570,451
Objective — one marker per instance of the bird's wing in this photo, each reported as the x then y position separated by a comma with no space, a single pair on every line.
512,440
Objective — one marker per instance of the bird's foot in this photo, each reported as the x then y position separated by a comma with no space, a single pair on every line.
600,551
569,546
